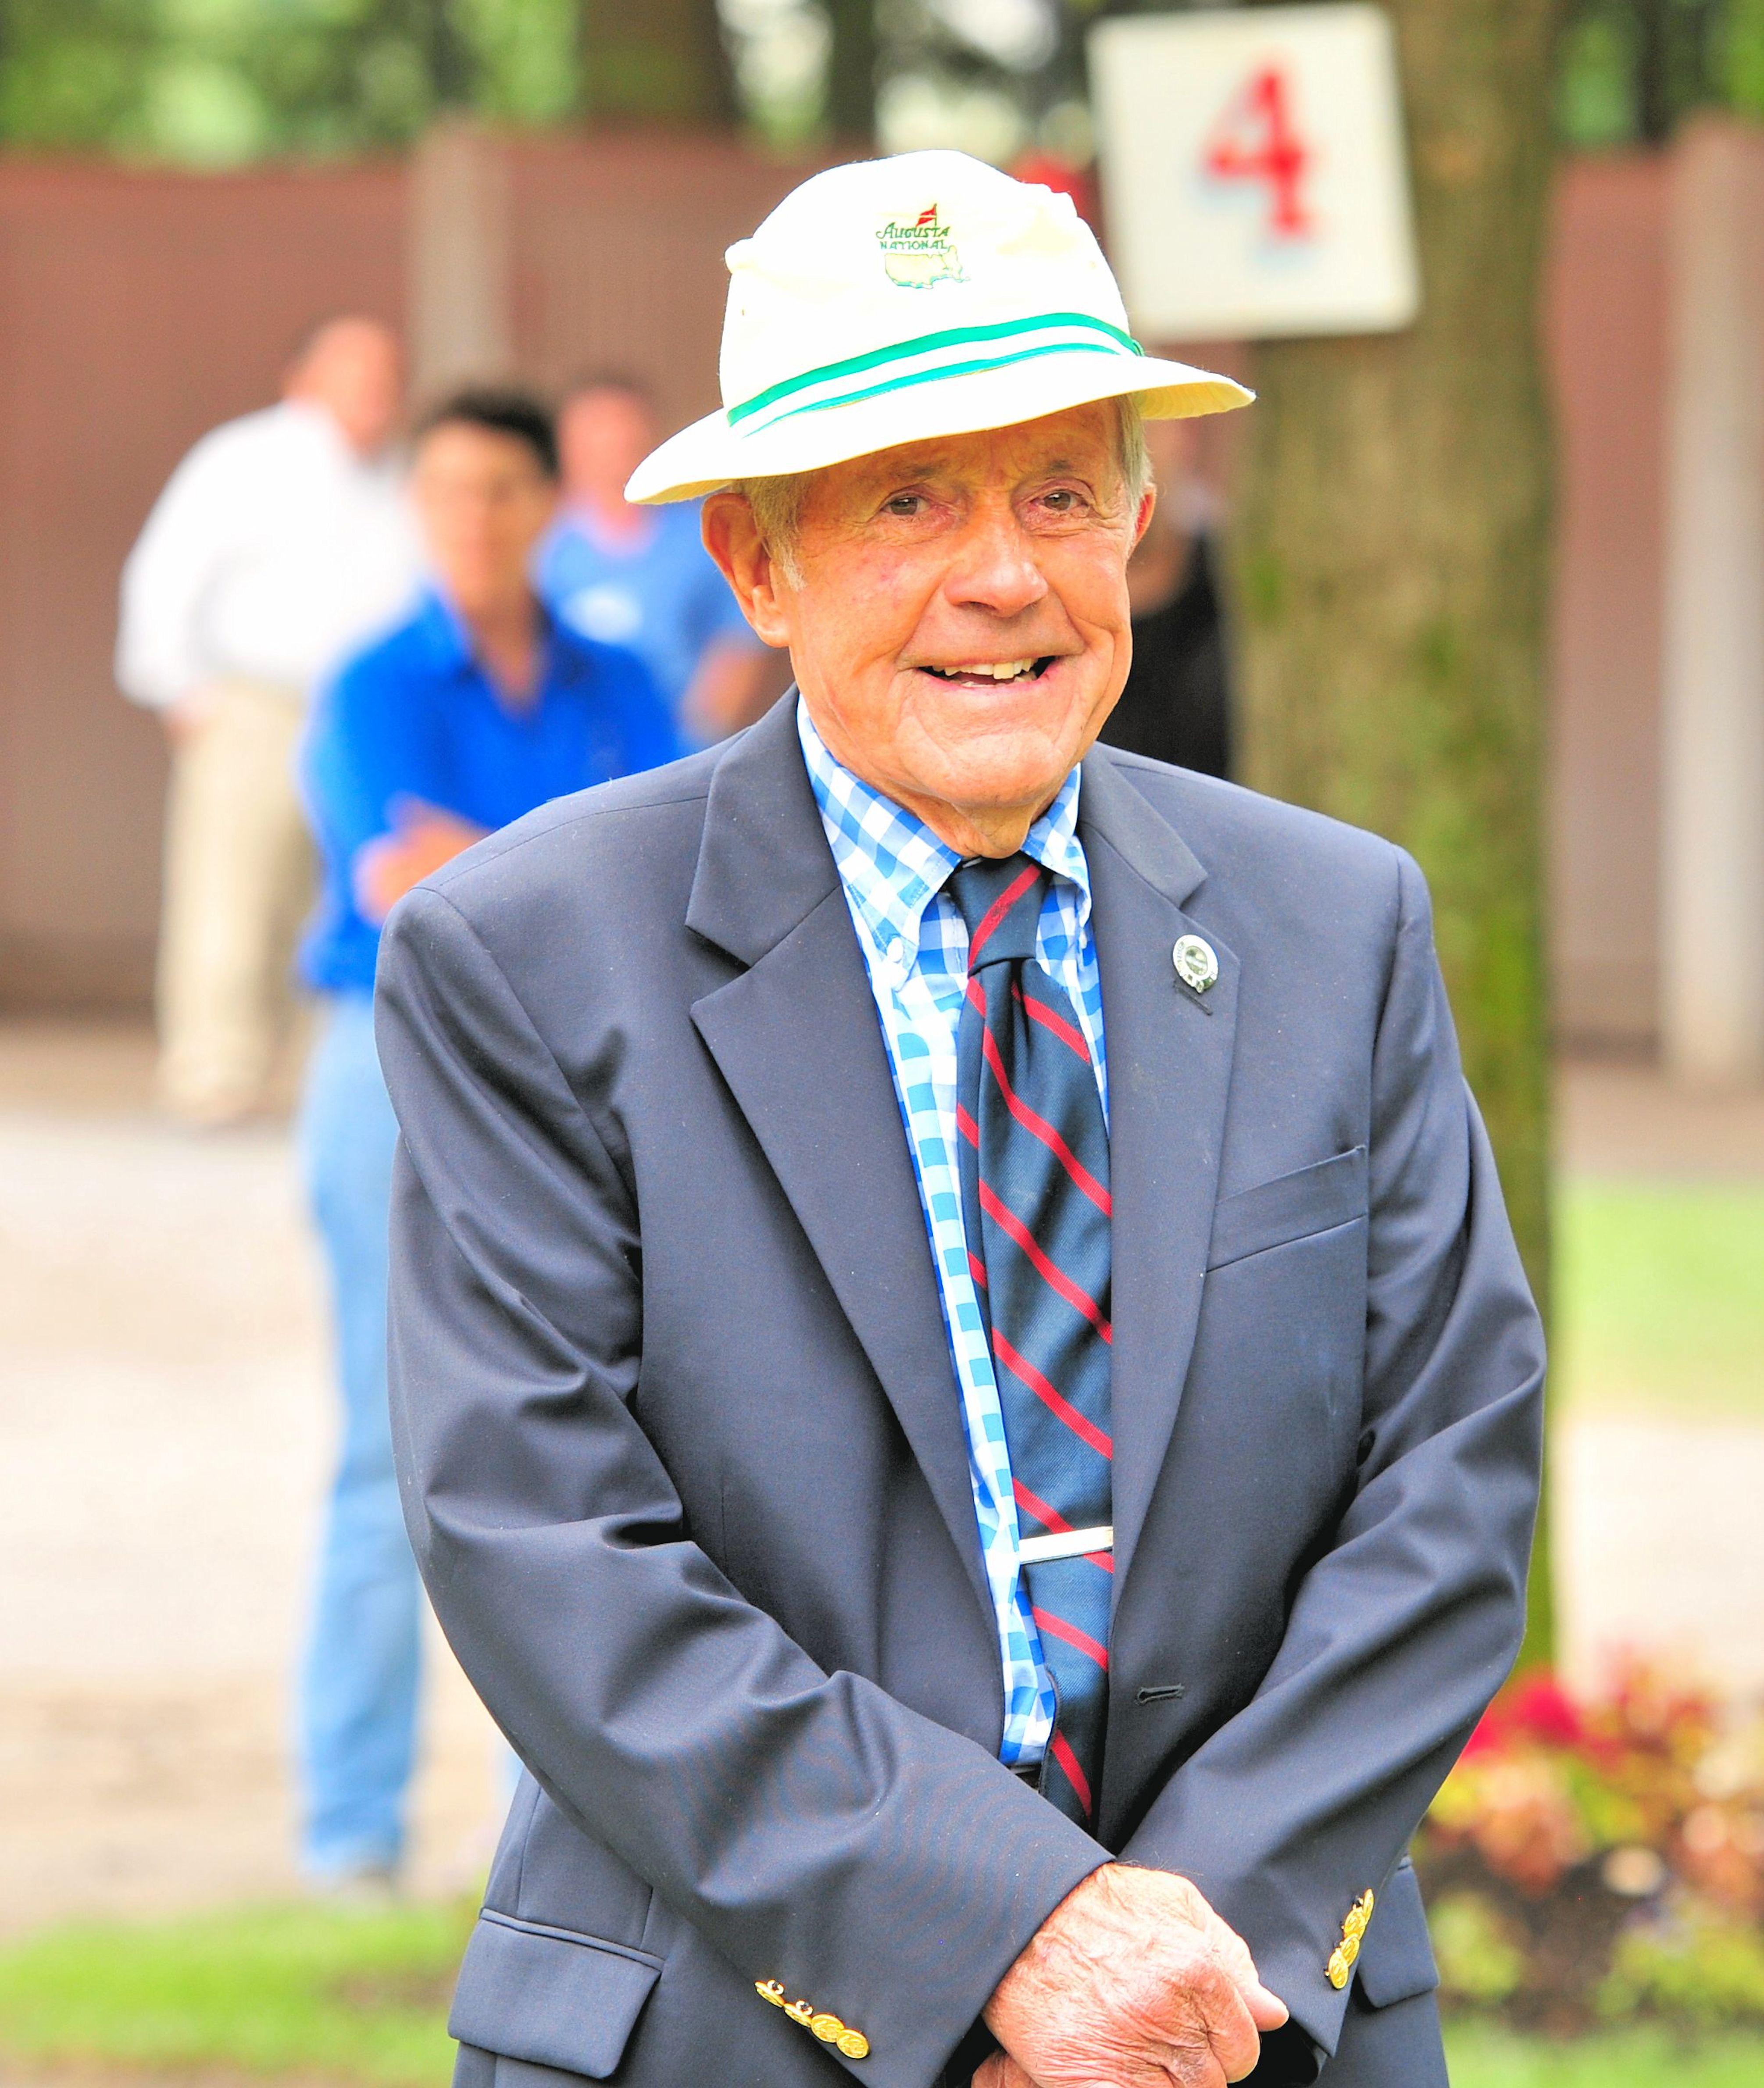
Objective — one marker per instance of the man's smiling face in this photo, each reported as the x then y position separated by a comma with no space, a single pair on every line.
957,616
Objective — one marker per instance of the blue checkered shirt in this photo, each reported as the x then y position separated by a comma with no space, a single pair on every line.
916,947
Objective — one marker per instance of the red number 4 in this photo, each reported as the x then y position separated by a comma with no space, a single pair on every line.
1255,141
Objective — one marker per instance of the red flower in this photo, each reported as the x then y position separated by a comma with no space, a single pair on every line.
1493,1730
1540,1708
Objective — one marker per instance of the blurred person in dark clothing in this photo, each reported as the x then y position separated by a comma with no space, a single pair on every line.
1176,706
481,706
641,577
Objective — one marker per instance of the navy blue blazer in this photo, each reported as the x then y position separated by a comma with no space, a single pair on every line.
682,1455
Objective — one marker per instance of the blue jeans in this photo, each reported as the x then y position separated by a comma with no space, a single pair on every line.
358,1697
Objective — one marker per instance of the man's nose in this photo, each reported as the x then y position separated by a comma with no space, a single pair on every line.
994,568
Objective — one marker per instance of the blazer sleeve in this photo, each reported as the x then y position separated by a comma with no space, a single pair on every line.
805,1823
1400,1633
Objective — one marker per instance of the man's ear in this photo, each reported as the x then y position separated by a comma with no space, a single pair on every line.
1148,502
732,537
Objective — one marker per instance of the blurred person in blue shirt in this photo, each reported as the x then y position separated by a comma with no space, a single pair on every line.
478,708
641,577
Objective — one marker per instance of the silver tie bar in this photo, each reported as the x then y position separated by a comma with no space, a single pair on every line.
1066,1544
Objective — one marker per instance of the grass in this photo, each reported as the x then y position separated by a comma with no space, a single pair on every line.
1659,1304
1650,2057
359,2000
357,1997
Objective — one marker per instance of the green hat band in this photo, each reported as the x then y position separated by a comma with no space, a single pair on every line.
930,356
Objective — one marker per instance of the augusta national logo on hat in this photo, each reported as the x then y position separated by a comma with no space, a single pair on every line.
919,251
906,300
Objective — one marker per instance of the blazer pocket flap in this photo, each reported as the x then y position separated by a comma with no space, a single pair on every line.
1396,1961
550,1996
1311,1199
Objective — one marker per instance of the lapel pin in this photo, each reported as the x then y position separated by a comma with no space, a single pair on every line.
1196,966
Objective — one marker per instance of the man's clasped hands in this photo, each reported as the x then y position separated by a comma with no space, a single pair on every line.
1131,1981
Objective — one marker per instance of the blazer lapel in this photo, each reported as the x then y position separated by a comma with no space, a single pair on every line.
796,1036
1170,1066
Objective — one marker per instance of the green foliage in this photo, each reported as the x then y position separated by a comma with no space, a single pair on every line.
1659,1302
527,59
214,82
1700,1967
1632,70
72,71
1478,1957
217,82
358,1996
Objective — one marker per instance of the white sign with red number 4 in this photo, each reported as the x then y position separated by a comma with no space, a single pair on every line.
1253,171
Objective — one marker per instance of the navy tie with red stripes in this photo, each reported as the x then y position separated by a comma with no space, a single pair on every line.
1033,1157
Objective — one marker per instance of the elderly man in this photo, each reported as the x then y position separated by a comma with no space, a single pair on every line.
279,544
964,1390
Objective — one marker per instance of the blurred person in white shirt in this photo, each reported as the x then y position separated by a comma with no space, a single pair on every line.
280,542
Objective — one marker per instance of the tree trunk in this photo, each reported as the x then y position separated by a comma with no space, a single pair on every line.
655,60
1392,567
447,54
851,70
1653,72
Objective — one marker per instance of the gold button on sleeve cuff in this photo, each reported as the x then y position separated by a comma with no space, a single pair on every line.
1342,1958
818,2022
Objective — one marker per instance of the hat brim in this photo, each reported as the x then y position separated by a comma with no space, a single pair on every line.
711,453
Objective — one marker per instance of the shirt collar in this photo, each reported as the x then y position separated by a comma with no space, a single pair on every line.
383,470
892,864
450,642
320,426
621,550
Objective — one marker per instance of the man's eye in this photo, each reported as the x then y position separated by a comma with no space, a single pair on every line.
903,504
1063,500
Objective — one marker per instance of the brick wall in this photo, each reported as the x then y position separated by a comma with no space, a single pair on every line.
138,309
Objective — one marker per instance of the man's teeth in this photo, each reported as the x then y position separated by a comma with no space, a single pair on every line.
999,670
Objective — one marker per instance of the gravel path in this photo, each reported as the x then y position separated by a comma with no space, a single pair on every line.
164,1433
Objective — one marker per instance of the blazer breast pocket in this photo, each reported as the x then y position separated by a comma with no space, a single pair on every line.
1291,1207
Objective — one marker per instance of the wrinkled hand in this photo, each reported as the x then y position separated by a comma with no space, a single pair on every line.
1131,1981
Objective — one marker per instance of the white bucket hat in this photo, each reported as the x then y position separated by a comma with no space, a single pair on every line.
896,300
